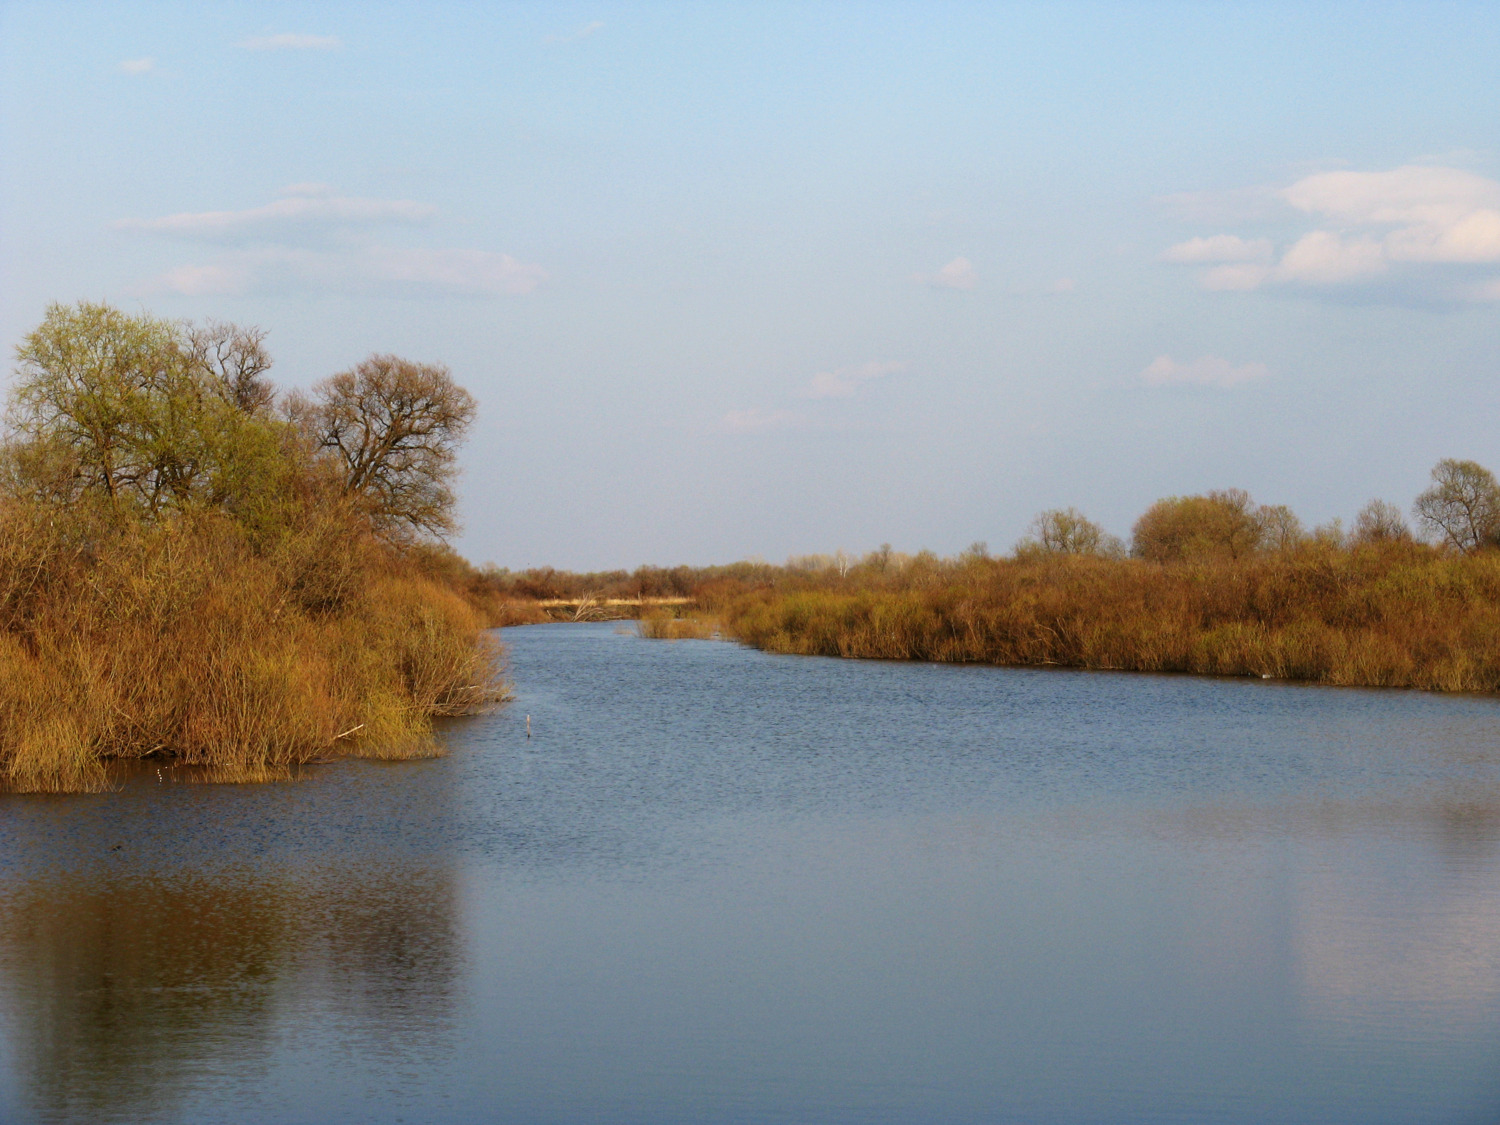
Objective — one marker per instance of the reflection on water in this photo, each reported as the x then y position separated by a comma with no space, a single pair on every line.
121,989
717,885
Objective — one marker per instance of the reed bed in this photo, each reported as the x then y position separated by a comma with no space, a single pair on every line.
1390,615
187,640
663,624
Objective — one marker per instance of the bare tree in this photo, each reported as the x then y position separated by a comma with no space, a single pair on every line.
1067,531
1282,529
393,427
235,361
1462,508
1380,522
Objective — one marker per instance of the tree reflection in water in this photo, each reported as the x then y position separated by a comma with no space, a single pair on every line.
168,943
123,993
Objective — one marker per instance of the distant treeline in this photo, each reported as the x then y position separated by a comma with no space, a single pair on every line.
1210,584
198,569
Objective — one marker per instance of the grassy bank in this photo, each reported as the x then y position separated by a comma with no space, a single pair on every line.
195,568
1398,614
188,640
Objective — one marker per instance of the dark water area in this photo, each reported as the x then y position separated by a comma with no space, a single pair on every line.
722,886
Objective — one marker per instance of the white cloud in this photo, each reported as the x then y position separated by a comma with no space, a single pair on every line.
1325,258
201,281
582,33
957,274
310,188
1371,224
844,382
287,41
1205,371
755,420
477,272
138,66
1218,248
1062,286
369,269
305,206
1410,194
1474,237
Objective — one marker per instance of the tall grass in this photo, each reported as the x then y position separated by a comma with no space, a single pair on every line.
1396,615
189,639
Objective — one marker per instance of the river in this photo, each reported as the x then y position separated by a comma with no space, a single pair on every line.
715,885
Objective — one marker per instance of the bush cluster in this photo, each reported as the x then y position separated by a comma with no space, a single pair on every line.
196,567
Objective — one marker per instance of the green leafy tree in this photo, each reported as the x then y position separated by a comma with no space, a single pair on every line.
142,414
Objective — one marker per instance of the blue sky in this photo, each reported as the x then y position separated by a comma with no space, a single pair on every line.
756,280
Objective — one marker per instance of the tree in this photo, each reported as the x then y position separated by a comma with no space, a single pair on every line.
1067,531
1222,523
1380,522
146,414
1281,527
393,428
84,380
1462,508
235,361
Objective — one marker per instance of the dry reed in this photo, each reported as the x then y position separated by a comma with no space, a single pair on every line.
1394,615
187,639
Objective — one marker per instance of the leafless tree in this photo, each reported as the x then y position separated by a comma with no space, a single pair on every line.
1067,531
1282,529
1462,508
1380,522
393,427
235,361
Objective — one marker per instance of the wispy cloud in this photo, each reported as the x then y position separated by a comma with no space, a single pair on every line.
1371,225
572,37
1218,248
1205,371
957,274
845,382
1062,287
138,66
302,206
315,239
756,420
367,270
288,41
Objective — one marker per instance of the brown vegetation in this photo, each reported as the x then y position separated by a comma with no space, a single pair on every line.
1214,584
1397,615
186,571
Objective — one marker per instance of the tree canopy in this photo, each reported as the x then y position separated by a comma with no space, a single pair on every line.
144,416
1462,508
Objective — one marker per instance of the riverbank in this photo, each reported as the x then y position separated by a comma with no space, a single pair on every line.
198,569
1389,615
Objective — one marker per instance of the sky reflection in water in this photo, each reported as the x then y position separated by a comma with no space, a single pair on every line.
717,885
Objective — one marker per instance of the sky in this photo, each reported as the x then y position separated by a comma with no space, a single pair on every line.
751,281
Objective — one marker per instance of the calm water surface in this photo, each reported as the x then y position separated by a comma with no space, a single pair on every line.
721,886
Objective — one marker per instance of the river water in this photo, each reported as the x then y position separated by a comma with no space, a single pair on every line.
720,886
